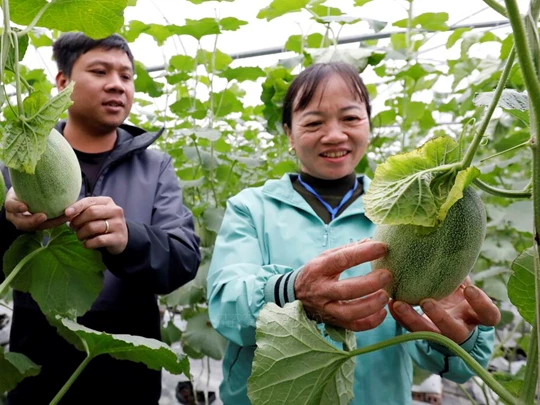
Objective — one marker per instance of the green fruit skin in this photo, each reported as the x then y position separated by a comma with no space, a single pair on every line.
435,264
56,182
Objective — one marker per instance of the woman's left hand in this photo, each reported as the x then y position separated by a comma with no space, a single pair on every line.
455,316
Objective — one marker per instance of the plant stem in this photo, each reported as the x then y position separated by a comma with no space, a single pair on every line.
35,20
6,283
17,69
528,390
443,340
521,145
466,393
526,61
5,40
71,380
499,8
500,192
471,151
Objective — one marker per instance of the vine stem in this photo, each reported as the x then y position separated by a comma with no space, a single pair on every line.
530,77
450,344
499,192
7,282
497,7
473,147
71,380
35,20
5,40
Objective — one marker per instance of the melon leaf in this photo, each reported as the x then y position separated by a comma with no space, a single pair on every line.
521,285
96,18
62,276
14,367
323,374
418,187
25,141
154,353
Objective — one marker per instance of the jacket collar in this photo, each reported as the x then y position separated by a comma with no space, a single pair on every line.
282,190
130,139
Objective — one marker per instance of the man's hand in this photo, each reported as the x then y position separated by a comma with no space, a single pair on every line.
99,223
455,316
355,303
17,213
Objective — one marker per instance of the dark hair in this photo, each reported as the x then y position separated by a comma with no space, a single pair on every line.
308,81
68,48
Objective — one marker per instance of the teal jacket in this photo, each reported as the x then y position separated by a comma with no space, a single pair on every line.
270,231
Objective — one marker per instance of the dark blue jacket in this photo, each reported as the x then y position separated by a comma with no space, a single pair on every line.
162,254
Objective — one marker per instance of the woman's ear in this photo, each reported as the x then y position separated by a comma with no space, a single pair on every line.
289,135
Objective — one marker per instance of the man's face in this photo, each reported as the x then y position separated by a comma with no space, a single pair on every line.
104,88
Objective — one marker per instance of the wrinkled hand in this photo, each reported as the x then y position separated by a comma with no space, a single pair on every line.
17,213
356,303
89,218
455,316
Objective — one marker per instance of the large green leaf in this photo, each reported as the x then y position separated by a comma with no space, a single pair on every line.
286,333
145,83
198,28
521,285
280,7
243,73
231,23
152,352
201,337
15,367
427,21
411,188
96,18
62,276
24,141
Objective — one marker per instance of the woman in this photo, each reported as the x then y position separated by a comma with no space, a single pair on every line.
302,238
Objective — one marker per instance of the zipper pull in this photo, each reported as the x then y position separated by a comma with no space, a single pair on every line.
325,239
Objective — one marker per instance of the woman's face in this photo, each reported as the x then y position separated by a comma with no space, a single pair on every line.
331,134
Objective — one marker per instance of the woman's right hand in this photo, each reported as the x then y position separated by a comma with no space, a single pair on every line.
355,303
17,213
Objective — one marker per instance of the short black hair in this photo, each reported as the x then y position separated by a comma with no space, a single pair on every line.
303,87
68,47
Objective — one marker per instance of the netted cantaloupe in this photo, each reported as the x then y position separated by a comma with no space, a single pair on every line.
433,265
56,182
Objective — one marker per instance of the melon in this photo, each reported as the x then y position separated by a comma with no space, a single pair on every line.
56,182
434,264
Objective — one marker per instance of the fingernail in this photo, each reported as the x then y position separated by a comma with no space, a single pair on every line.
385,277
383,298
70,211
427,306
399,307
365,240
471,291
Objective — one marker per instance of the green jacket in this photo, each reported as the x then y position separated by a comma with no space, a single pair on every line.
270,231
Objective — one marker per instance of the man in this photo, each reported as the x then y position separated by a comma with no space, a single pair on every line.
130,208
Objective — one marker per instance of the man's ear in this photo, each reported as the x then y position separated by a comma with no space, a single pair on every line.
61,81
289,135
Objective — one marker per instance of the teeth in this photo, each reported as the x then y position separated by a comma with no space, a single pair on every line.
334,154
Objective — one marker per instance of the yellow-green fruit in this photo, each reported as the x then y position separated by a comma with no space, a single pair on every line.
433,265
56,182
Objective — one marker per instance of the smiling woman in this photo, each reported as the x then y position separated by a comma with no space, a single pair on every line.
294,239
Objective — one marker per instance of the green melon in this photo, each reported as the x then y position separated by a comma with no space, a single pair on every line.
56,182
433,265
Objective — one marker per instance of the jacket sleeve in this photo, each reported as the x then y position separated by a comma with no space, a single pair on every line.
163,255
8,232
440,360
239,283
